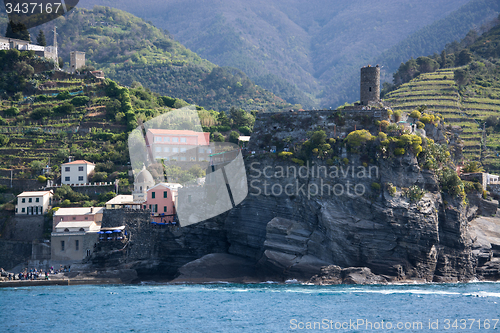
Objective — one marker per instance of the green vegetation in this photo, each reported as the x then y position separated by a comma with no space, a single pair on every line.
134,52
466,97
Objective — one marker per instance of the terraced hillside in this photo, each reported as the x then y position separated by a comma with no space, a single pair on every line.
439,92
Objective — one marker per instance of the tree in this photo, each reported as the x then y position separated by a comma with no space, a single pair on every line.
17,31
461,76
234,136
40,39
472,167
60,62
464,57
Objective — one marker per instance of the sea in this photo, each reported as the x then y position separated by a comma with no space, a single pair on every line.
265,307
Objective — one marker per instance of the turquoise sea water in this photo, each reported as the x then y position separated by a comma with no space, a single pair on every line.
251,308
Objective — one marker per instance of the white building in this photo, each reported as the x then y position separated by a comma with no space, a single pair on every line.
34,202
74,240
77,214
76,172
121,201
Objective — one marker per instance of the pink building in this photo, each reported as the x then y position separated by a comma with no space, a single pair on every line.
77,214
161,200
179,145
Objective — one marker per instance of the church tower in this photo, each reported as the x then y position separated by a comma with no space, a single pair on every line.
370,85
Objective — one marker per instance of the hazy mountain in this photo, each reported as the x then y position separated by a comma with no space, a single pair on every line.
316,46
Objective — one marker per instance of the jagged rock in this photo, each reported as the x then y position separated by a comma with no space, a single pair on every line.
217,267
351,275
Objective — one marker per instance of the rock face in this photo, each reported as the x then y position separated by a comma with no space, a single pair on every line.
352,275
298,220
217,267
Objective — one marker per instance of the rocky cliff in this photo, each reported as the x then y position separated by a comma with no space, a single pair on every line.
322,219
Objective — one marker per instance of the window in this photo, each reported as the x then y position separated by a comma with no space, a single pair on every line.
144,207
167,139
209,150
200,150
153,195
80,168
158,149
62,245
29,199
189,198
164,209
156,208
88,253
66,169
81,229
175,150
157,139
112,206
183,158
166,149
66,179
77,244
23,200
165,194
183,150
74,218
66,230
80,178
149,207
86,217
175,139
37,200
370,89
183,139
23,210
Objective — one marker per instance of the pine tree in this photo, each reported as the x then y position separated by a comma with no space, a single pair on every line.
40,39
17,31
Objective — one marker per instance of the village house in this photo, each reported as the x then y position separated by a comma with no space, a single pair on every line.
179,145
34,202
74,240
120,201
76,172
77,214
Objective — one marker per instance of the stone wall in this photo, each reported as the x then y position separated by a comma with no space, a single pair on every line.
23,227
13,253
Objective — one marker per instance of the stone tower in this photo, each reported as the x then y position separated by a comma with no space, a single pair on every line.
370,85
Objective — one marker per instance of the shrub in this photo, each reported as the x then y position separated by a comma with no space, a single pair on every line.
472,187
397,115
399,151
376,186
420,125
4,140
63,95
80,100
40,113
299,162
391,189
474,166
428,118
42,179
415,193
245,130
65,108
11,112
345,160
285,154
217,137
65,203
415,114
234,136
329,162
2,121
223,128
359,137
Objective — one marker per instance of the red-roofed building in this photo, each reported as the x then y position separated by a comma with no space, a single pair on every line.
179,145
76,172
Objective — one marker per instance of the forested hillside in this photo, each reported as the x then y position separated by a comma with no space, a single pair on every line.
128,49
462,84
317,46
47,116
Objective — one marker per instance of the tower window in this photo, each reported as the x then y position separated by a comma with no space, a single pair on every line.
370,89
